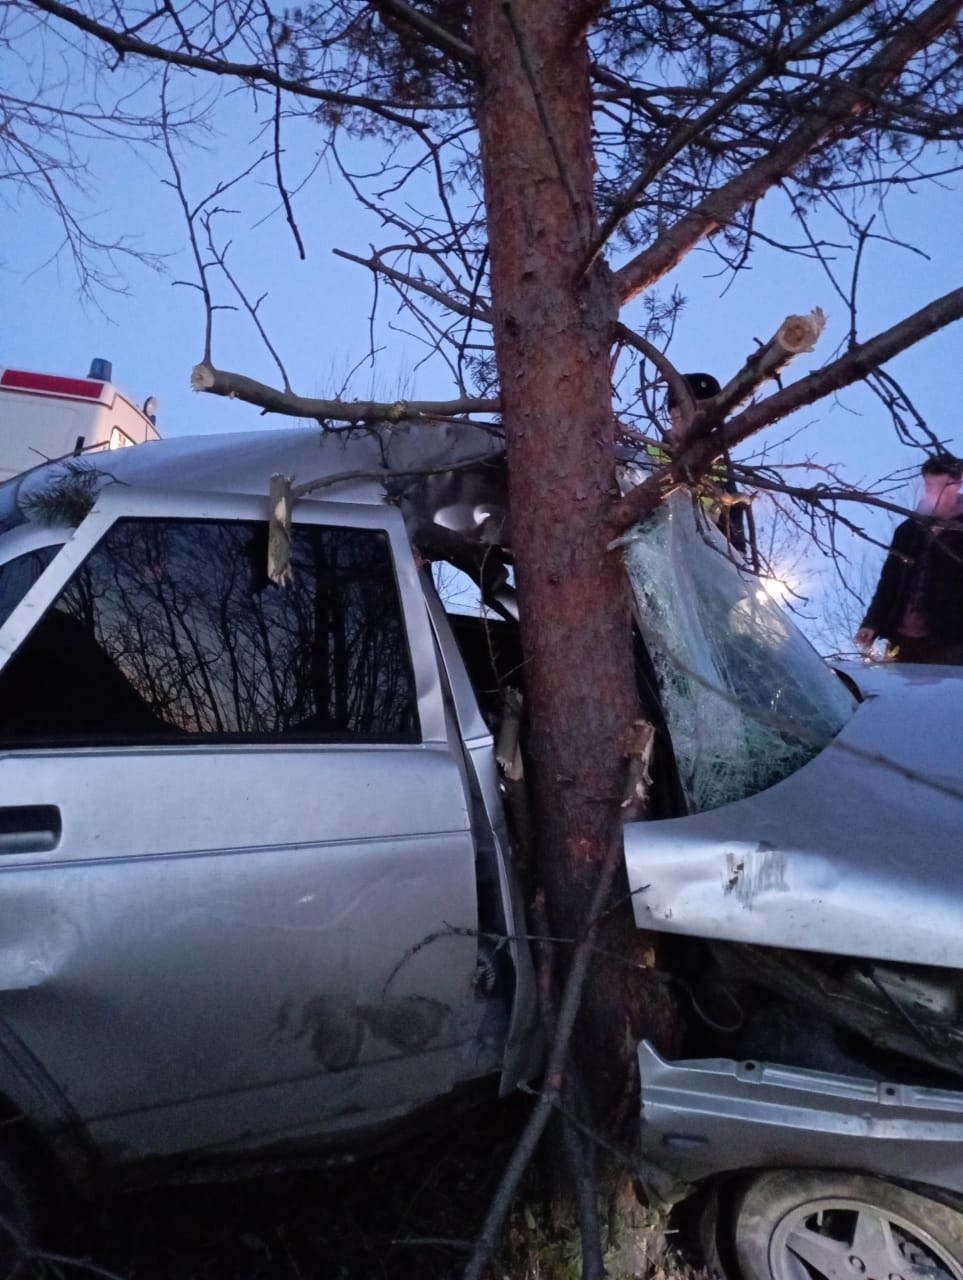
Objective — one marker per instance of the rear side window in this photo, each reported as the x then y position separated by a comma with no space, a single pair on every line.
18,575
170,630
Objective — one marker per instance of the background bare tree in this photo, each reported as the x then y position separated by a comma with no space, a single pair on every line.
536,167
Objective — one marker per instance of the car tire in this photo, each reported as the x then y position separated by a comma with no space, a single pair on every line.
16,1225
801,1224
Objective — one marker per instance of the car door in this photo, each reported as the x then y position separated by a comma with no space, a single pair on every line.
236,865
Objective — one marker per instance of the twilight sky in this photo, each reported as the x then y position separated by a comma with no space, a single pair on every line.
317,312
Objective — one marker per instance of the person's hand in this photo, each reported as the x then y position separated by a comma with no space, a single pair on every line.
864,637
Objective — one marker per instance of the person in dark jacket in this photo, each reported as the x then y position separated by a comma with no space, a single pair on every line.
727,516
918,603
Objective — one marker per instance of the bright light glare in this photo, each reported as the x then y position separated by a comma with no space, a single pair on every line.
777,588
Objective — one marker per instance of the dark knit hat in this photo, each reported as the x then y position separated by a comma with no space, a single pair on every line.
942,464
701,385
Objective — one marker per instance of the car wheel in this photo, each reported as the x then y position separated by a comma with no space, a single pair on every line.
808,1225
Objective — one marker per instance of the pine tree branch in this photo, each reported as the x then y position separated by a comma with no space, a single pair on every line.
853,97
124,43
769,63
431,32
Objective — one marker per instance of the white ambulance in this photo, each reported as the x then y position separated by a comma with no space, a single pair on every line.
45,415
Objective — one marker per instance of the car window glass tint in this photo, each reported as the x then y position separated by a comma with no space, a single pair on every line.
17,576
171,629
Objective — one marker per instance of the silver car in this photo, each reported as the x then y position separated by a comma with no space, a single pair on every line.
257,790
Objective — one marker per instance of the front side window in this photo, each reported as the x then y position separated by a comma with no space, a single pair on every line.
171,630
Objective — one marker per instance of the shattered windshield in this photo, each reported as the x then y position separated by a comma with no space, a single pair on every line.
747,699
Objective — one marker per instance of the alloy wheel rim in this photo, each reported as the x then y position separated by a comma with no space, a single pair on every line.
842,1238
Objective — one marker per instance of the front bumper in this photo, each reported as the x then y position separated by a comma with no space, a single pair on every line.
714,1115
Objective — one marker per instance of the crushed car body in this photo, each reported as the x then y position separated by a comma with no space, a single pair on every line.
827,859
258,893
814,818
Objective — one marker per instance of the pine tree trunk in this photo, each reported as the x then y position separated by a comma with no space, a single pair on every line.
552,342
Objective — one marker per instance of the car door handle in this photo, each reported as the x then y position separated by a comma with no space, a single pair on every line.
29,828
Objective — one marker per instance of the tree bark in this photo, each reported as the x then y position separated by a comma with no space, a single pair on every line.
552,343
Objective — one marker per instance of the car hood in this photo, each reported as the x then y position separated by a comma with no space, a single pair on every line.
859,852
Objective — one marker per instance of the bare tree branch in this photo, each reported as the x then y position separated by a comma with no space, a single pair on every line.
843,103
239,387
446,300
695,460
550,1095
